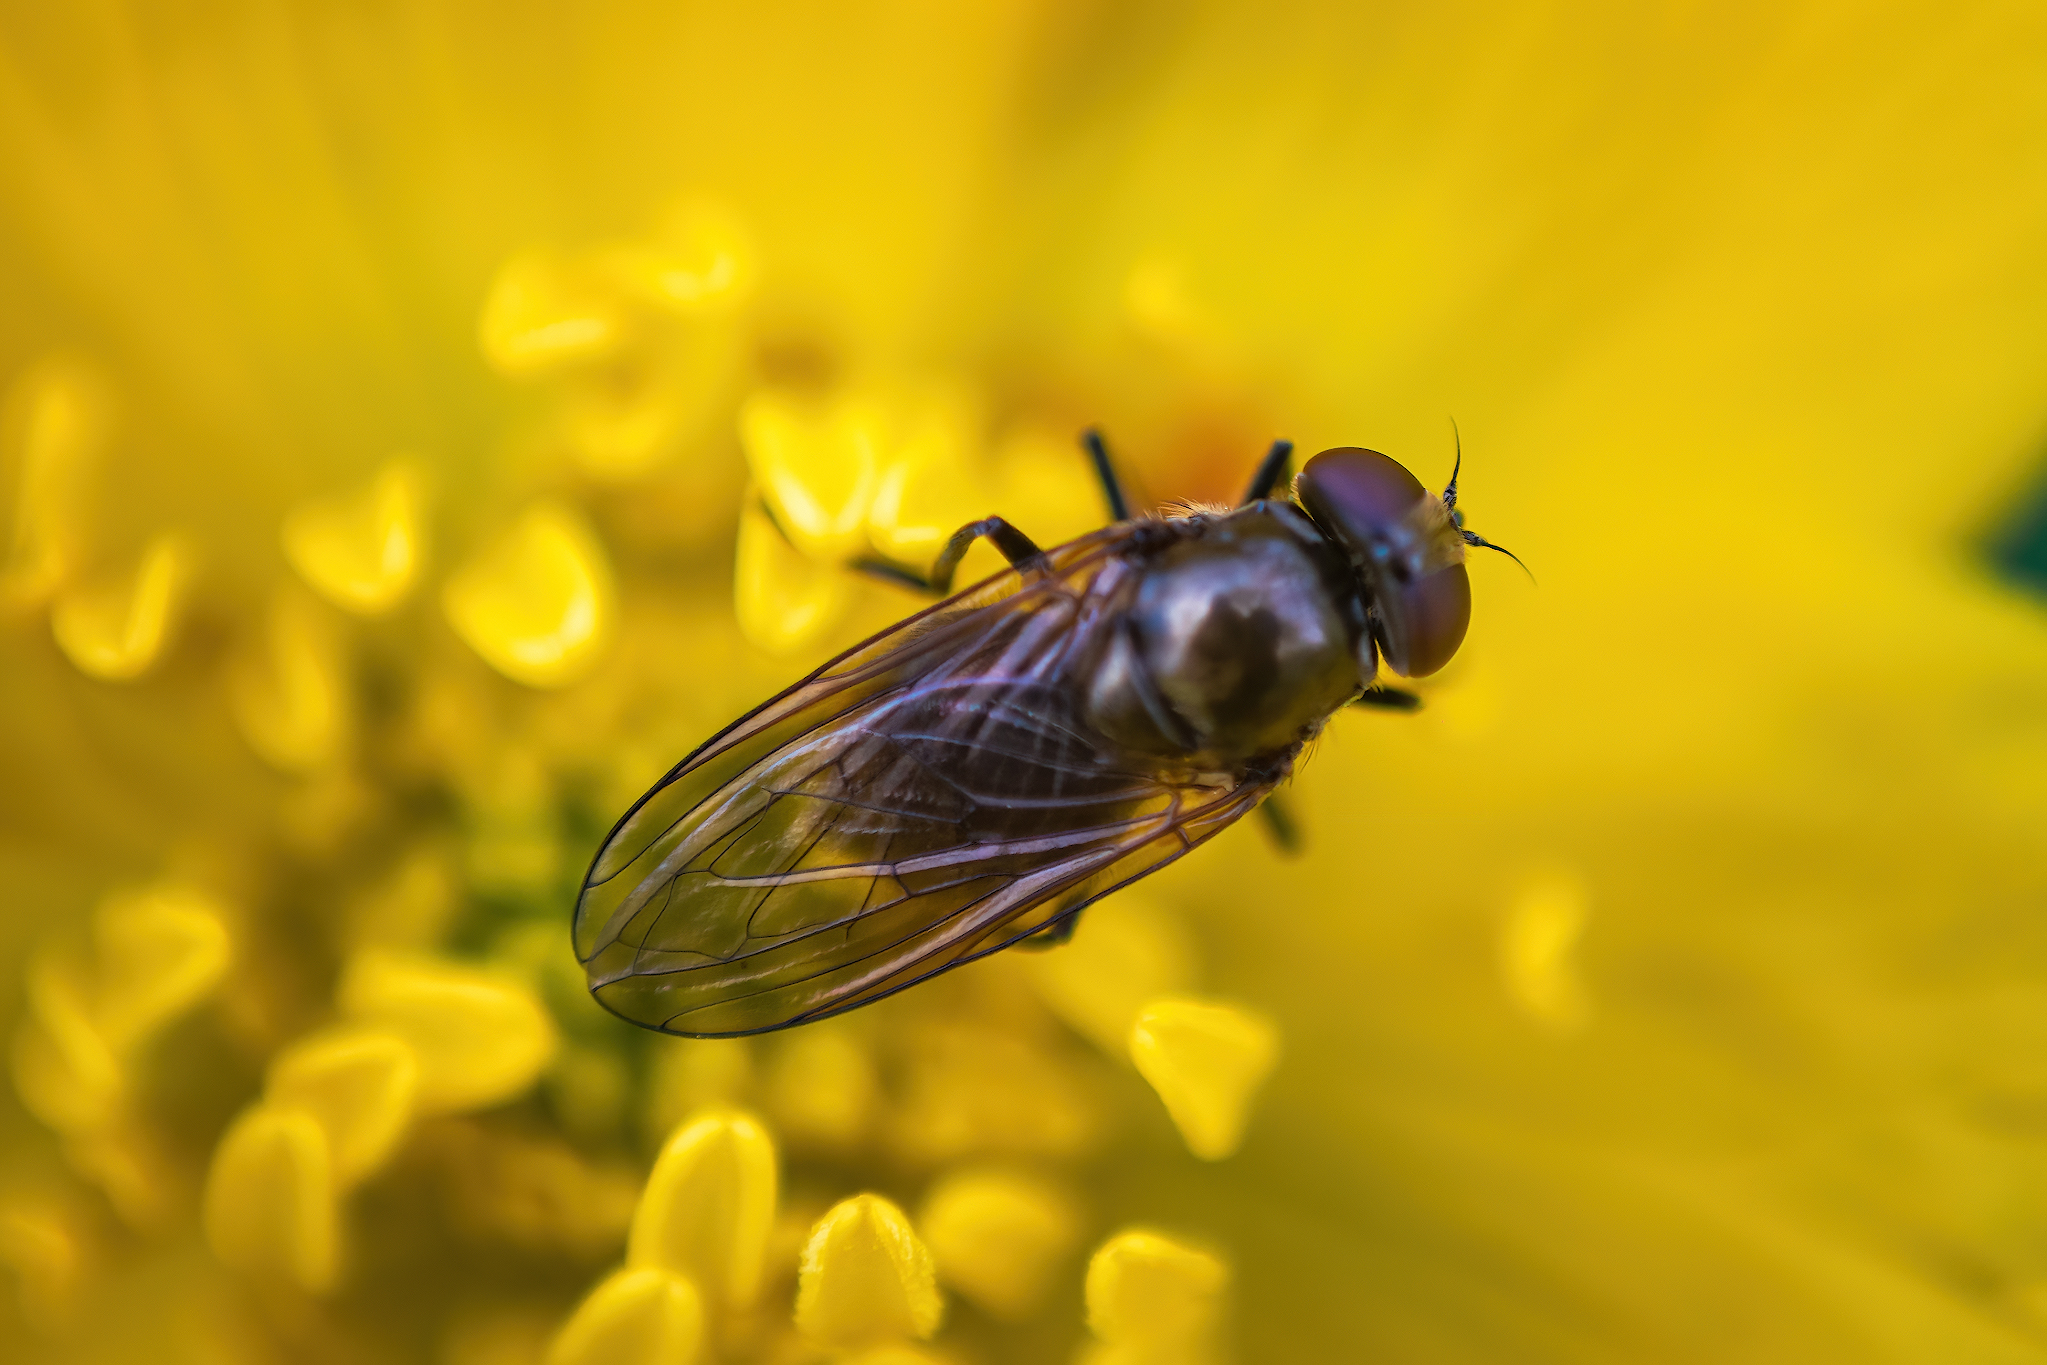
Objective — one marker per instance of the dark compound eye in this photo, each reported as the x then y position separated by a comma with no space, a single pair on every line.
1408,551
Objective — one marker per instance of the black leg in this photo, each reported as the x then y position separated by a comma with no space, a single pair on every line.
1388,699
1016,547
1280,824
1112,489
894,574
1272,471
1019,549
1052,935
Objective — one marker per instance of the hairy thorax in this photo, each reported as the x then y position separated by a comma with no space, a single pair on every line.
1240,640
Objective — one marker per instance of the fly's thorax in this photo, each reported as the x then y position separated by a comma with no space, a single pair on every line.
1240,638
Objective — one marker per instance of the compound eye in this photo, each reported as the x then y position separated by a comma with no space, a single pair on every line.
1408,552
1361,496
1422,622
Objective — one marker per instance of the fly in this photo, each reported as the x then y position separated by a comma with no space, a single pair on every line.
977,774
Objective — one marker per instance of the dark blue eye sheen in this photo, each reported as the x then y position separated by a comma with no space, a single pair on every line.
1406,547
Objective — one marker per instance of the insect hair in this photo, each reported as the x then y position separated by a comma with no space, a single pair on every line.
1183,508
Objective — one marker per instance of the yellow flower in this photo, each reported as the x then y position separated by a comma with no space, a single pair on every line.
423,425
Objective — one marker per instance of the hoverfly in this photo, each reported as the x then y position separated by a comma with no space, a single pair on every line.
975,775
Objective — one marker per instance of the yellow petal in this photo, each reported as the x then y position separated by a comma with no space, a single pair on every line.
542,314
709,1206
531,1190
361,553
1146,1290
537,603
929,485
159,952
1206,1061
129,1171
358,1085
270,1197
409,908
115,628
59,414
784,599
1126,951
817,465
689,1074
479,1039
821,1085
969,1089
64,1069
866,1277
701,260
43,1247
626,422
1536,946
997,1237
290,695
640,1316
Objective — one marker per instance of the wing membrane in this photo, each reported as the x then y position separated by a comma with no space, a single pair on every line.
927,798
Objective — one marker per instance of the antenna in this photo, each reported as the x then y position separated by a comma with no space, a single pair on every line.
1457,517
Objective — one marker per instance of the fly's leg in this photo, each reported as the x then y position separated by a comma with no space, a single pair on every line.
1272,472
1388,699
1014,544
1052,935
1112,487
1280,824
1019,549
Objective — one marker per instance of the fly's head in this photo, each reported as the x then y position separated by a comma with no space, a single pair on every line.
1406,546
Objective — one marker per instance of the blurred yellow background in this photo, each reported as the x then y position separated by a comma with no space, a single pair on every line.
385,386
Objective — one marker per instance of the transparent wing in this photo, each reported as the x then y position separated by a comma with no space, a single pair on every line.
927,798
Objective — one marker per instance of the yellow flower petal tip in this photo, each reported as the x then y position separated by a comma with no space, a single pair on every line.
866,1278
159,952
361,553
640,1316
116,628
1126,951
359,1086
270,1206
479,1039
622,433
1206,1060
783,599
65,1071
1537,945
929,482
59,414
1150,1297
701,260
537,603
44,1248
817,465
709,1206
290,695
544,314
997,1237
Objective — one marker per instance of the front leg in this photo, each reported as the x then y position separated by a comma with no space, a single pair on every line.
1387,699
